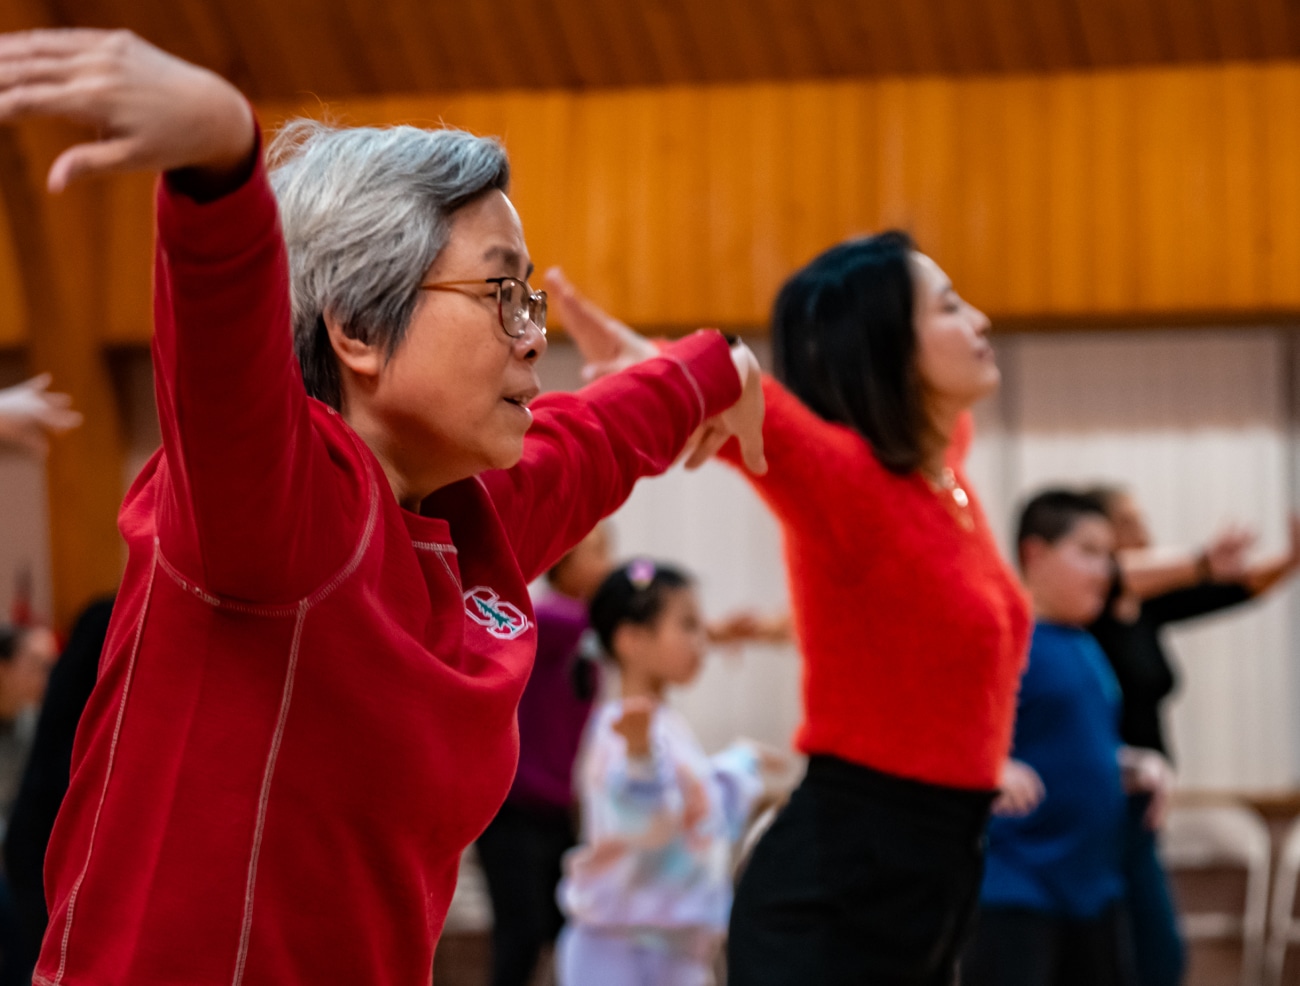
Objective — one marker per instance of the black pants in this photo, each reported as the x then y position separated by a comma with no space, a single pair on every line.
863,880
520,851
1017,947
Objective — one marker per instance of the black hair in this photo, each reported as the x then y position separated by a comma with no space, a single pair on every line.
1053,514
11,641
844,343
635,593
1107,495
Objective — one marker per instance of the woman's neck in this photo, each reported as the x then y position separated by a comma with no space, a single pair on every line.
410,482
942,422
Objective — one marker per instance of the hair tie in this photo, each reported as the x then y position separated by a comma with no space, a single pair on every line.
641,573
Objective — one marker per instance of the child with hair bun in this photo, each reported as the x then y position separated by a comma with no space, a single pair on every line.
648,893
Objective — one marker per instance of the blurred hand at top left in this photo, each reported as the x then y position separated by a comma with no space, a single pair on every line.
150,110
30,413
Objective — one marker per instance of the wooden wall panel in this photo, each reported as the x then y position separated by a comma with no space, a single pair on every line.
1143,194
1138,195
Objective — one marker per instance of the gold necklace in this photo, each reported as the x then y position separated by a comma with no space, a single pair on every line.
947,489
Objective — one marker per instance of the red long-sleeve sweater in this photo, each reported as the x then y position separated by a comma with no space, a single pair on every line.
913,629
306,705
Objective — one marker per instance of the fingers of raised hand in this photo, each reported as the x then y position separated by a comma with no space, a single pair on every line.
65,73
88,159
711,437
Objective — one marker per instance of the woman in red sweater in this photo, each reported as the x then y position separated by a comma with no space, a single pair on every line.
913,629
306,703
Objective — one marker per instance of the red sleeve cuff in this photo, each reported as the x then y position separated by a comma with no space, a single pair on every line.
705,358
223,227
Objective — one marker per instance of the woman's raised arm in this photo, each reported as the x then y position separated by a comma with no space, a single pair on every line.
231,405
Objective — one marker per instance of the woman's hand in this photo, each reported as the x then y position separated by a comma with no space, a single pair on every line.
29,412
744,419
1020,792
151,110
608,346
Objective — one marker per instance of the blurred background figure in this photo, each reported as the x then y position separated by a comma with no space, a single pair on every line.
44,783
1148,592
520,851
30,413
26,656
1051,904
648,894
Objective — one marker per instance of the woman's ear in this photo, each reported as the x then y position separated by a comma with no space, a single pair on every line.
361,358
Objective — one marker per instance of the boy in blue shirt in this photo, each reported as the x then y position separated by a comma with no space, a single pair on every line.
1049,905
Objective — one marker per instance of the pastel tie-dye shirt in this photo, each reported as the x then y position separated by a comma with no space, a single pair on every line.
658,831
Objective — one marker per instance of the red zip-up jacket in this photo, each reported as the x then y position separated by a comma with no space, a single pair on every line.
306,704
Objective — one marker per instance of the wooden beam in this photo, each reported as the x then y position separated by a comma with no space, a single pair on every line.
59,246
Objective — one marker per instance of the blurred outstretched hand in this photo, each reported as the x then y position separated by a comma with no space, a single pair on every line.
30,413
608,346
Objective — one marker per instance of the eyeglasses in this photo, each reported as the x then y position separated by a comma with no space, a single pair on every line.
517,303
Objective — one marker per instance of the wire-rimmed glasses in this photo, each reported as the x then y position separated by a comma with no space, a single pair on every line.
517,303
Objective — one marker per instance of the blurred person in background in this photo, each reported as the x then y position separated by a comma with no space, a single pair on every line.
647,894
521,849
26,656
913,629
1149,591
44,784
1051,902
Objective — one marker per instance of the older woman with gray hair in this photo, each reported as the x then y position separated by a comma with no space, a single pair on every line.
306,703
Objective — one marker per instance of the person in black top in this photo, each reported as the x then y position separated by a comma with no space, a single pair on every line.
1146,596
44,783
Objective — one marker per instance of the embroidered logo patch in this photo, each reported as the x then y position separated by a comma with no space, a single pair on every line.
503,620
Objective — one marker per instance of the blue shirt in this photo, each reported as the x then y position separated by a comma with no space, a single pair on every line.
1065,857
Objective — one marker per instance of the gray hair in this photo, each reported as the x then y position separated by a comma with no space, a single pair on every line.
365,213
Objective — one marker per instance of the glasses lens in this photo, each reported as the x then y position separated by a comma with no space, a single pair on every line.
514,306
537,310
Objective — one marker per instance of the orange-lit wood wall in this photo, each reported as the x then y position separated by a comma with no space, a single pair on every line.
1136,194
1130,196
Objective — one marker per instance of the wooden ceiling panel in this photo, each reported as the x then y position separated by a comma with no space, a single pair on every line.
1058,32
1103,40
1190,29
675,46
341,48
741,34
1277,22
967,34
887,55
1013,45
1237,35
594,63
1143,27
917,24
